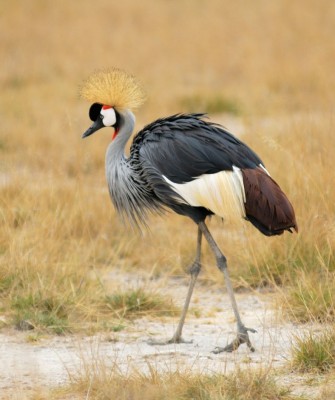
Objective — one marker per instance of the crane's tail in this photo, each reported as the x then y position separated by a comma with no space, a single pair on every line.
266,205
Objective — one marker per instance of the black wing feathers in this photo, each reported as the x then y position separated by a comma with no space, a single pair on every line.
183,147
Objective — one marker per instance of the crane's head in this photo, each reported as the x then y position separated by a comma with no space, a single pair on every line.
102,116
111,92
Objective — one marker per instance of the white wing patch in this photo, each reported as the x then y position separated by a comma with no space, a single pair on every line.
222,193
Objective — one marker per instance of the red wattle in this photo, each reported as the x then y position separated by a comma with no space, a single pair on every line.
115,133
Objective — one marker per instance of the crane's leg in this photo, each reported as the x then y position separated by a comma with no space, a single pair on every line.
242,331
194,271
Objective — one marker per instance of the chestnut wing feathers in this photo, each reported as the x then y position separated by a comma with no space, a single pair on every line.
266,205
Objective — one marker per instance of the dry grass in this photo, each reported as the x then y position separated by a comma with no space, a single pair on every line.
328,390
272,63
314,352
102,382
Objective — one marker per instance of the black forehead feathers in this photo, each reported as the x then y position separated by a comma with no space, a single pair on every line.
95,111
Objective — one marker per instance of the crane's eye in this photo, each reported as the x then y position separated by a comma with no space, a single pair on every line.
95,111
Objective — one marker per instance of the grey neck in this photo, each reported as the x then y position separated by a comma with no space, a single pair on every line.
128,188
122,179
115,150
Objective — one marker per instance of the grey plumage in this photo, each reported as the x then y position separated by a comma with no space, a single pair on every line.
130,192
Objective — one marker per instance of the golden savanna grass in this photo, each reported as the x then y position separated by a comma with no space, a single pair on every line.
270,63
101,382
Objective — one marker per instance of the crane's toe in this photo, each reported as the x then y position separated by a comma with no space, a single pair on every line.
242,337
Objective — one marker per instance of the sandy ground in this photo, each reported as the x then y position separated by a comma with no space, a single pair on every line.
50,360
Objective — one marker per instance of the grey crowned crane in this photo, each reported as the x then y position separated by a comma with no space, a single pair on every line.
187,164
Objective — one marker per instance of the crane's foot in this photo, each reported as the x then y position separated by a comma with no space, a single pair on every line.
242,337
174,339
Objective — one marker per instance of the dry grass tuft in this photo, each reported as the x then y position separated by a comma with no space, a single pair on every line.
138,302
314,352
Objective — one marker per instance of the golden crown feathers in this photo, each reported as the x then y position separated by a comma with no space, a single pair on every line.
113,87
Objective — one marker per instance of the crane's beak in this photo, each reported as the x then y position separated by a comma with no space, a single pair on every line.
98,124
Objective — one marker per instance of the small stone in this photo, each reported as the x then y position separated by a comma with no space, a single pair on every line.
24,326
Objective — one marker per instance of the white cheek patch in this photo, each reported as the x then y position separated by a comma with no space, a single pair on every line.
109,116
